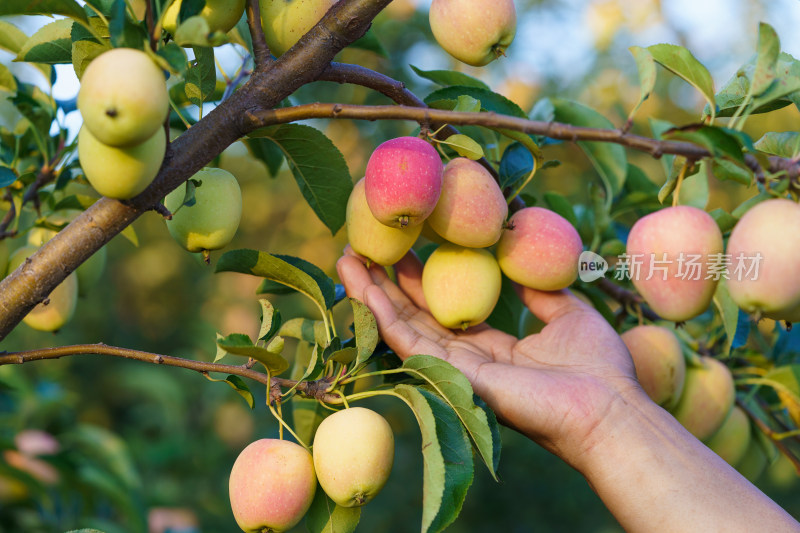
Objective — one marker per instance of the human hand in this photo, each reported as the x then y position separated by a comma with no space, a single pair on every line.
556,386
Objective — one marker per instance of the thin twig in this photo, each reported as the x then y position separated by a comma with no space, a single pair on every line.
261,52
626,297
766,430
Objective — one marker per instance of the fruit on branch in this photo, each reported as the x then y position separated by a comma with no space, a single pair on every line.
474,31
212,220
461,285
123,97
540,250
221,15
403,181
772,287
272,485
286,21
733,438
61,302
675,248
375,241
471,210
353,455
659,362
707,398
120,172
754,461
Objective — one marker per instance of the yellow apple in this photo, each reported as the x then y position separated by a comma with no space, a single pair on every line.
353,455
123,97
121,172
285,21
708,396
212,221
221,15
733,438
658,359
461,285
474,31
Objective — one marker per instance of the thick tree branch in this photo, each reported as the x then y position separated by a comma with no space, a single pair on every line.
30,284
312,389
261,54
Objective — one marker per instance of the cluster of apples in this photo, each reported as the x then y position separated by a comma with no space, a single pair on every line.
700,397
761,274
273,482
407,192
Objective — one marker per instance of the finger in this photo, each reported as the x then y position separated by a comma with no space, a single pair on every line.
409,277
549,306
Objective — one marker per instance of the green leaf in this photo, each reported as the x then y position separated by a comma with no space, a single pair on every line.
682,63
781,143
515,165
240,344
456,390
716,140
467,104
271,267
506,313
647,75
729,312
448,78
495,428
201,78
725,170
268,325
788,376
307,415
344,356
608,159
694,191
130,234
370,43
366,330
106,449
769,48
724,220
125,32
325,283
83,52
51,44
465,146
7,177
559,204
221,353
448,471
174,57
239,386
69,8
490,101
11,37
267,151
318,167
195,32
324,516
305,329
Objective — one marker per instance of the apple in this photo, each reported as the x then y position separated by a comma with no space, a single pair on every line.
403,181
661,247
212,221
773,290
540,250
707,398
353,455
754,462
472,209
732,438
272,485
285,21
474,31
377,242
61,303
221,15
461,285
659,362
123,97
120,172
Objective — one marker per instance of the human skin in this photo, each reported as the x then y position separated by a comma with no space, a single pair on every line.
707,398
775,292
123,97
663,236
473,31
378,242
540,250
353,455
271,486
471,210
120,172
221,15
658,358
403,181
285,21
572,389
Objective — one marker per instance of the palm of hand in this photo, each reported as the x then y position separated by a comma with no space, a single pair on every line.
554,386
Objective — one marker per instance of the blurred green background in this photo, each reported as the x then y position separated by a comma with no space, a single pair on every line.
137,444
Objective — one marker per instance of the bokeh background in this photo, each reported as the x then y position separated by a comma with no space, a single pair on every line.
142,446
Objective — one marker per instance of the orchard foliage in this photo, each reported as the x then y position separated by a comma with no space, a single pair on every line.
313,363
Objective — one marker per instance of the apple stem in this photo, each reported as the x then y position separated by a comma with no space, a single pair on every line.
403,220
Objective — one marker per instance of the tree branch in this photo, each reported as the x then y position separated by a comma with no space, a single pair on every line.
312,389
626,297
30,284
261,53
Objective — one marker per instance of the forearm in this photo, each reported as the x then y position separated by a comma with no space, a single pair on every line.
653,475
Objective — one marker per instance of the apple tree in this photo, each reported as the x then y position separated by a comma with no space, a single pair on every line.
680,229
